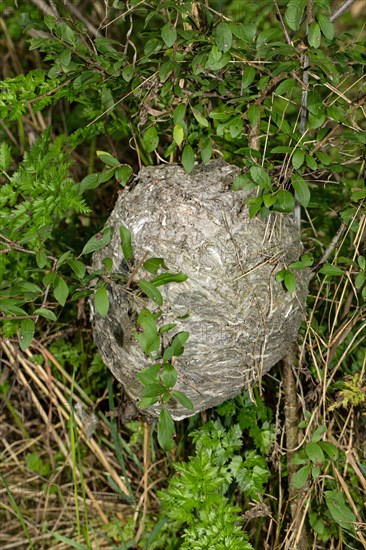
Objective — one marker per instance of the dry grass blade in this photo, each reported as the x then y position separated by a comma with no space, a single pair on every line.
48,495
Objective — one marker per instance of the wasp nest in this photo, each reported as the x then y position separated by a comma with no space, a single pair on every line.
241,321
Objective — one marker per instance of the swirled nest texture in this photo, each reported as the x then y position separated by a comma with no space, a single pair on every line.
241,321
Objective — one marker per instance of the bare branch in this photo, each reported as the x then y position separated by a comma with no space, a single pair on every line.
342,8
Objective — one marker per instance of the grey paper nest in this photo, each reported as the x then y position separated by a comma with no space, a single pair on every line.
241,321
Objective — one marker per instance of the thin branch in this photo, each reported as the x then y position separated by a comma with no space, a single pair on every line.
342,8
77,13
287,36
333,243
292,436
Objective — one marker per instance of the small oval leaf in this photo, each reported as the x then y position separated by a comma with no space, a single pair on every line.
46,313
26,333
166,430
98,241
60,290
126,243
302,189
151,291
101,301
188,158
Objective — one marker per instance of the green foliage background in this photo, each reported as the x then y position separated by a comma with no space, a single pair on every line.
274,87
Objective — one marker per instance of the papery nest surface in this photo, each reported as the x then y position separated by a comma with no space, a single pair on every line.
240,319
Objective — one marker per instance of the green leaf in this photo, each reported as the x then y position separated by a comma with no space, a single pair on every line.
358,195
260,177
169,375
91,181
5,156
64,58
329,269
298,159
244,31
30,288
361,260
290,281
126,243
101,301
26,333
151,291
179,113
214,56
165,430
50,22
46,313
166,70
123,174
150,139
41,259
60,290
108,264
167,328
314,35
253,114
150,375
146,402
169,35
338,509
236,127
314,452
311,162
178,134
242,182
206,150
66,34
128,72
285,86
188,158
360,279
326,26
98,241
223,36
330,449
300,478
153,264
294,13
35,463
281,149
306,260
147,334
199,117
254,205
165,278
63,258
183,399
78,268
106,175
152,47
285,201
248,77
302,189
107,159
176,347
269,200
9,306
153,390
318,434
